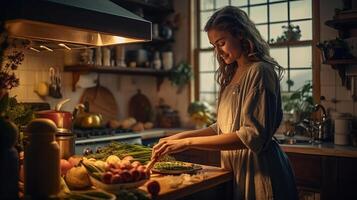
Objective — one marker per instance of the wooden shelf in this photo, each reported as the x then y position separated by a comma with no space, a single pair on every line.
292,43
77,70
341,61
340,65
343,23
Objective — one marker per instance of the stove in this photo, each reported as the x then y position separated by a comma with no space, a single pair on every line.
93,139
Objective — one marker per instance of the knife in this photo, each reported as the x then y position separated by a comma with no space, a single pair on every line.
151,164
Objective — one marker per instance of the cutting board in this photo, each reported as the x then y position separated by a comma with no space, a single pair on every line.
140,107
102,101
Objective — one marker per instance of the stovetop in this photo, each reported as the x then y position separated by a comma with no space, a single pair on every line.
100,132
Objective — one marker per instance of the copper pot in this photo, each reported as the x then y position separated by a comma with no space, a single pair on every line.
62,119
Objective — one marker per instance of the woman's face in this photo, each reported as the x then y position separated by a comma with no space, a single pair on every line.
227,46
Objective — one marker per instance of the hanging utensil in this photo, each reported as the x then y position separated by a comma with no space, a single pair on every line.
58,85
52,85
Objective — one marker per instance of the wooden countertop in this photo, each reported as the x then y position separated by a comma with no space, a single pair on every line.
213,177
325,149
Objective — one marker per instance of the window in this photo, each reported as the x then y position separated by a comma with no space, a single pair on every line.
269,17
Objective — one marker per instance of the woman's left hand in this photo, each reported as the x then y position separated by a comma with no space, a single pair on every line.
169,146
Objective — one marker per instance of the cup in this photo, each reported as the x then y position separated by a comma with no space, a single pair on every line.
106,56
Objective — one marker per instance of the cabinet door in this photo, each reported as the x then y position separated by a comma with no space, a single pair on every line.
307,170
347,179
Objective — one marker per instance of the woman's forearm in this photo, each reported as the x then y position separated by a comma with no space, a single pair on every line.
192,133
216,142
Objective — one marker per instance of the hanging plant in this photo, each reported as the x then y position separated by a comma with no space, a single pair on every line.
181,75
9,62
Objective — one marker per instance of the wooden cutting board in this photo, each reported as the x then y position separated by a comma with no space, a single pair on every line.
140,107
102,101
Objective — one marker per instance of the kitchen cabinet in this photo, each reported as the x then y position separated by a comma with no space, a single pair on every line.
324,177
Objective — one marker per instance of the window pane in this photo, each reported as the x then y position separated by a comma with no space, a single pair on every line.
239,2
306,29
263,29
206,61
245,9
206,4
207,82
280,55
300,57
300,77
204,40
204,16
276,0
221,3
276,30
208,97
283,84
258,14
257,1
300,9
278,12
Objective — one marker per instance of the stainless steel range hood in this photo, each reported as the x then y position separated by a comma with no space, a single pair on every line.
84,22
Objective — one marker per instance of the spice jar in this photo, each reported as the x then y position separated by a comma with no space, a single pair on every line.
42,160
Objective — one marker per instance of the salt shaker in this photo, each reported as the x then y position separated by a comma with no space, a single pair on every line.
42,160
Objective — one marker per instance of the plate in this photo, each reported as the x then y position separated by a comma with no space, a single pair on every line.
193,170
114,188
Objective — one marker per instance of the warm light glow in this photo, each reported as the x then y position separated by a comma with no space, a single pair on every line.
33,49
65,46
44,47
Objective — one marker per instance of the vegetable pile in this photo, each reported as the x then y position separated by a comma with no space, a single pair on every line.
139,152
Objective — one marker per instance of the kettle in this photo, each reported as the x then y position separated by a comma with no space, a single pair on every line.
84,119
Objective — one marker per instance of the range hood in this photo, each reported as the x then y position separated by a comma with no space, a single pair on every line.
82,22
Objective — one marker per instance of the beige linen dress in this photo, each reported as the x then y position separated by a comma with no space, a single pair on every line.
251,109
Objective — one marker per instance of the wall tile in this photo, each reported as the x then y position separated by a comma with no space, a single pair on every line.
329,92
327,76
345,107
343,94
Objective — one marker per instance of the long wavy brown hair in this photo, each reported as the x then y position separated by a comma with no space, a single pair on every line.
237,23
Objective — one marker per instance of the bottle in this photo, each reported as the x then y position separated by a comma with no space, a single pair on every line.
42,160
9,159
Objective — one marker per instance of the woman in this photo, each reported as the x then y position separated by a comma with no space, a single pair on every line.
248,114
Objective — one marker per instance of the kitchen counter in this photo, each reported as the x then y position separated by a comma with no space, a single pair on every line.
326,149
214,177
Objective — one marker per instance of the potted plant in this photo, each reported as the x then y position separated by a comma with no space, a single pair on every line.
180,75
334,49
300,103
291,33
201,113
